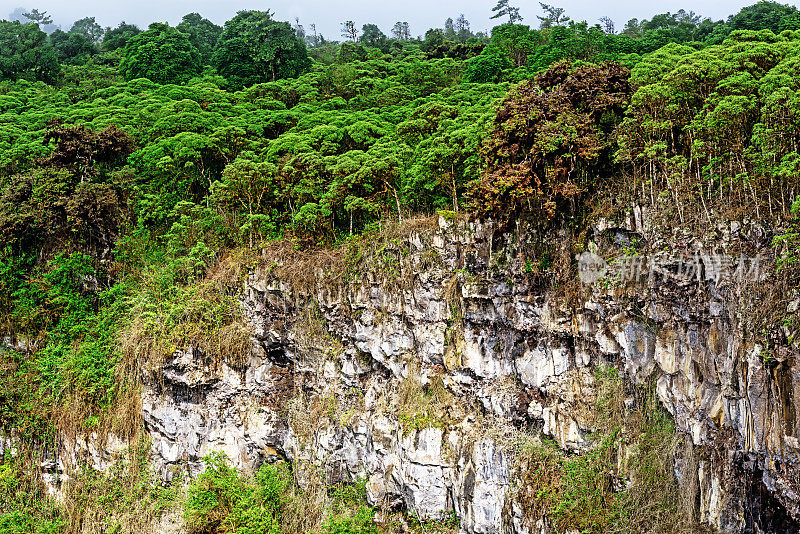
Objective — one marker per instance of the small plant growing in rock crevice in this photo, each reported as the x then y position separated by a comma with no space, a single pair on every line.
418,407
221,500
224,501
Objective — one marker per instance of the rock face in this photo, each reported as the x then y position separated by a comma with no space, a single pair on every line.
457,308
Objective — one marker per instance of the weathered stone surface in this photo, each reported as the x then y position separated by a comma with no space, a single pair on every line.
507,352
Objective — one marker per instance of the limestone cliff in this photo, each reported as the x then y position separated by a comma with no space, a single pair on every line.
424,369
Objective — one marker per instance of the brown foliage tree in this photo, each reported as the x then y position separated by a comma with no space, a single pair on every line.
82,150
71,200
551,140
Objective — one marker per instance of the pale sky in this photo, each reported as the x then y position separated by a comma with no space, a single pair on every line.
328,14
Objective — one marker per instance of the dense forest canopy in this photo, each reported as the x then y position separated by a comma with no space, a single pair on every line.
133,159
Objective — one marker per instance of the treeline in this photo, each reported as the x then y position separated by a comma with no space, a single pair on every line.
517,51
175,55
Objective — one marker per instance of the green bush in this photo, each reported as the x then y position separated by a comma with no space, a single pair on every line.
64,311
623,483
221,500
349,513
362,521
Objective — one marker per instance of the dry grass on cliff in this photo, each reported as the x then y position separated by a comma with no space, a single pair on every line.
418,406
165,318
307,502
127,497
304,269
312,339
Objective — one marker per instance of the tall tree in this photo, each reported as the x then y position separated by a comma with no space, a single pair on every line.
313,38
503,9
26,53
34,16
515,41
633,28
38,17
299,30
462,28
373,37
608,25
72,48
162,54
553,16
401,31
203,34
349,30
90,28
433,39
449,30
256,48
116,38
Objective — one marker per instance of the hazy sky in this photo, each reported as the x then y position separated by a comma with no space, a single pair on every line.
328,14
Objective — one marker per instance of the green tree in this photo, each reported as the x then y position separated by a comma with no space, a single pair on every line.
349,31
503,9
401,31
247,196
35,16
462,29
554,16
486,68
766,15
515,41
433,38
72,48
26,53
203,34
664,28
255,48
449,30
373,37
349,52
88,28
118,37
38,17
161,54
633,28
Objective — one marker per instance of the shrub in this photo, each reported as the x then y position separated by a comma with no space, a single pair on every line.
221,500
349,513
362,521
552,140
624,483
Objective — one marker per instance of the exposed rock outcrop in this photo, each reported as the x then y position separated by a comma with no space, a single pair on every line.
459,308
